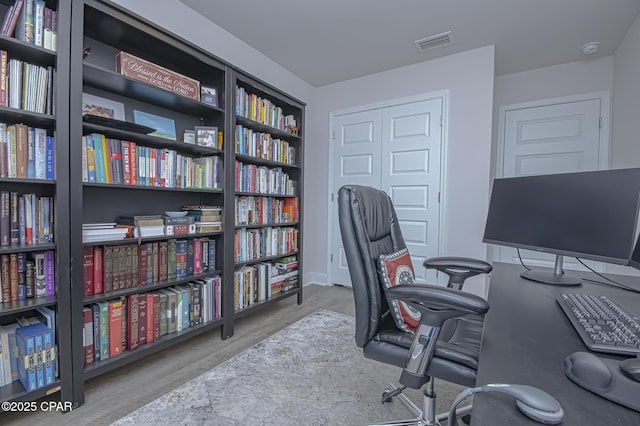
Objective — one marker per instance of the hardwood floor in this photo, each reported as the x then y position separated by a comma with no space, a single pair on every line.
115,394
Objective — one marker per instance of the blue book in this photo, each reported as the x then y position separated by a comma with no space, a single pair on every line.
91,159
39,351
27,358
50,163
104,330
22,276
186,307
31,153
98,146
96,331
48,317
49,358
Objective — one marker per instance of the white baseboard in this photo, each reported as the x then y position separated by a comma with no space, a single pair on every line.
314,278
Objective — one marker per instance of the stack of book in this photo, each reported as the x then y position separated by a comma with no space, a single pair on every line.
141,226
206,218
95,232
176,225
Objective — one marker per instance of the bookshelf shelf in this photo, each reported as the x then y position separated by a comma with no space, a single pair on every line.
146,288
32,118
270,163
150,188
151,141
26,305
27,51
259,194
252,309
104,79
148,239
51,182
256,125
15,392
265,258
163,342
266,225
27,249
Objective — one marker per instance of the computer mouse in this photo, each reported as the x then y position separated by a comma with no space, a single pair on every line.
631,368
588,369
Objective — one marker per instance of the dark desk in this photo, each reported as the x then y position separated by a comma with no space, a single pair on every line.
526,338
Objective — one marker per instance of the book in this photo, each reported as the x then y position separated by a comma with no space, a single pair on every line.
87,336
9,356
104,330
132,322
26,349
115,328
40,274
88,270
95,311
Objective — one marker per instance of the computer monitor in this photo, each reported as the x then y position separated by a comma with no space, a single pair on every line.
589,215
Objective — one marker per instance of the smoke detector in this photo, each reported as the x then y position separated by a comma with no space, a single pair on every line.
591,48
438,40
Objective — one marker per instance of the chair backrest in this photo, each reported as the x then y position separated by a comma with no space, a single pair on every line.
369,228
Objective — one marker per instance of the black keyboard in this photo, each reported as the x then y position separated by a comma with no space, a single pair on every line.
602,323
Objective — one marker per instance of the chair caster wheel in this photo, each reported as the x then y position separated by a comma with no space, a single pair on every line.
386,396
466,419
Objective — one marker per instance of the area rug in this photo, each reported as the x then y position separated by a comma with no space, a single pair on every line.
310,373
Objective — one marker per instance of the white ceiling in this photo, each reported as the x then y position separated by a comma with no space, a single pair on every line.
327,41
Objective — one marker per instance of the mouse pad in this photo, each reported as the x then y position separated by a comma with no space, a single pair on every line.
603,377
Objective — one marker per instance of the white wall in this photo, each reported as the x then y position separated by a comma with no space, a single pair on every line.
468,77
626,100
592,75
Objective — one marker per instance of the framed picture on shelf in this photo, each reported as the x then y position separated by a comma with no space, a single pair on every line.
165,127
102,107
206,136
209,95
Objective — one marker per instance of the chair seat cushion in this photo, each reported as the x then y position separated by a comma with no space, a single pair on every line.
396,269
458,346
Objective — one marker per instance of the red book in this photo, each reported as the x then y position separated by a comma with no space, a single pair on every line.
133,163
13,269
156,316
142,319
87,337
156,262
197,256
87,254
150,318
97,270
115,327
132,322
126,166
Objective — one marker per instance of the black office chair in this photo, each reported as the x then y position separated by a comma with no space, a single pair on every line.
446,343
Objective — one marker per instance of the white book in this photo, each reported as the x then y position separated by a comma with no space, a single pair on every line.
3,143
41,153
38,24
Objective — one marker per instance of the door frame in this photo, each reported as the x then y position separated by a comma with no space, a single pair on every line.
333,198
605,111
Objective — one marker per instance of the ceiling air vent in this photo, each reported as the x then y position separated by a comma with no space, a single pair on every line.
439,40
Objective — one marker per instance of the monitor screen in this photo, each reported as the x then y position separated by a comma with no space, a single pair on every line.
590,215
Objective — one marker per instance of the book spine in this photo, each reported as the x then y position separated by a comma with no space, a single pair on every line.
50,162
142,319
15,222
31,153
150,318
87,336
91,159
133,159
156,262
49,357
5,271
115,328
13,268
31,279
104,330
126,164
50,275
163,267
132,322
41,153
190,256
22,276
3,77
98,270
107,265
5,218
21,150
95,311
40,274
171,259
163,313
88,270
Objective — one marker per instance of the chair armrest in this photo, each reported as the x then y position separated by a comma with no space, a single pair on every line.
458,268
437,304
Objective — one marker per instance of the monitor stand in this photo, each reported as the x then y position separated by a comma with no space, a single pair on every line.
557,277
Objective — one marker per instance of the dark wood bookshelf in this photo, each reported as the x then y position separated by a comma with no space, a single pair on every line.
27,51
164,342
30,117
149,239
51,182
147,288
259,194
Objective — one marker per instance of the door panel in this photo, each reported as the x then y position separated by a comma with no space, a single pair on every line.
356,161
411,152
556,138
